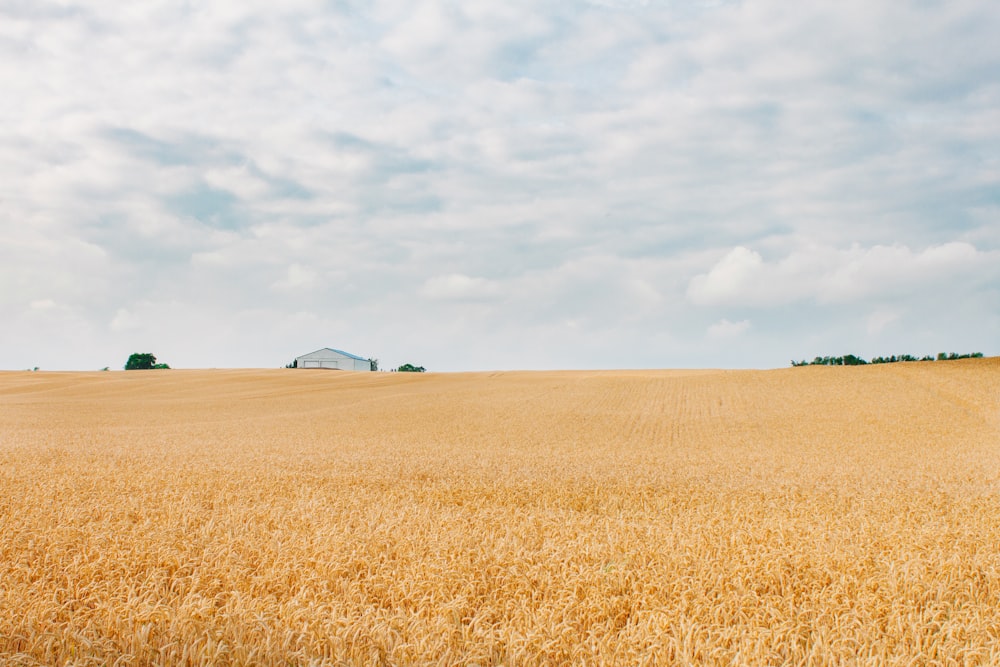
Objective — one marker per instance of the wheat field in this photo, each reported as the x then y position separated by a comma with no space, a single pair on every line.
846,515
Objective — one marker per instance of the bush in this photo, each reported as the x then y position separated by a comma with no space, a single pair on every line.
140,361
410,368
851,360
846,360
951,356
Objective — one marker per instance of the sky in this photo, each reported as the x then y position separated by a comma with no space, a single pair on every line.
498,185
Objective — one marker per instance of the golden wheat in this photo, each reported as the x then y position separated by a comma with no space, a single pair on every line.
799,516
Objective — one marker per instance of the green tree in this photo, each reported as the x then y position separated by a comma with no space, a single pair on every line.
851,360
410,368
139,361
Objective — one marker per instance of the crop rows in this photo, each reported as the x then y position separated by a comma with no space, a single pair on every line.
813,515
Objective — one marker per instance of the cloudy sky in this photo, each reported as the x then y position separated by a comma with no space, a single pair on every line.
496,185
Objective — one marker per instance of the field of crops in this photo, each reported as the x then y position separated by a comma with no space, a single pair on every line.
798,516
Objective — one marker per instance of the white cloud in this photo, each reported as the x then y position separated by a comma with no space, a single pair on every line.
728,280
125,320
458,287
296,277
881,319
239,181
829,275
724,329
626,166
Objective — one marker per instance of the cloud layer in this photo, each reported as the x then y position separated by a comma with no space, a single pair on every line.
827,275
484,185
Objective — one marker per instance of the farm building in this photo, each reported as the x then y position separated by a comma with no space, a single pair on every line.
336,359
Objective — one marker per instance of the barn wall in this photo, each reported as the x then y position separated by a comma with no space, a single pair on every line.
318,363
328,359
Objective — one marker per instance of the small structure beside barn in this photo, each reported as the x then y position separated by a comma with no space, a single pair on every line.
336,359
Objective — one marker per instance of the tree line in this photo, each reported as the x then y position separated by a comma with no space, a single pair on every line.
851,360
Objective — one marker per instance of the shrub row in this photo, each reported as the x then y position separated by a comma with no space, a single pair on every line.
851,360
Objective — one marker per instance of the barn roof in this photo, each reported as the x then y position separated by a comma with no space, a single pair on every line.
346,354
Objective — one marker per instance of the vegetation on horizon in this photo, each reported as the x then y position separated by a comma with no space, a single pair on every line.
140,361
410,368
851,360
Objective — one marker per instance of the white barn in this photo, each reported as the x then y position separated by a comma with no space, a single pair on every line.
336,359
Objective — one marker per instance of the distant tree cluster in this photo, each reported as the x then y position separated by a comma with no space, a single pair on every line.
140,361
410,368
951,356
907,357
851,360
846,360
294,364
